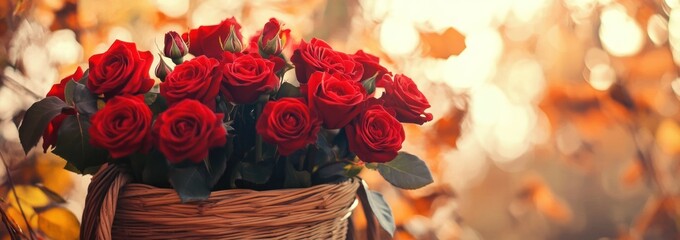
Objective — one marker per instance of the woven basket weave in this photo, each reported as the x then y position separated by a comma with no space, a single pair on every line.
117,209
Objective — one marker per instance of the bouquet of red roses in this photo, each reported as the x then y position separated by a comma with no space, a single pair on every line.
226,118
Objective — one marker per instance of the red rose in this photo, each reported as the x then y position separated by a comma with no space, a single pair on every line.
197,79
375,135
122,127
187,130
247,76
208,40
371,65
120,70
402,95
336,101
57,90
289,124
318,56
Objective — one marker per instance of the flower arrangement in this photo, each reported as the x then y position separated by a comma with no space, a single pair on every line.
226,118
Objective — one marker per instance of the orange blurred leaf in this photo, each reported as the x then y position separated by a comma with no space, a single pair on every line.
632,174
544,200
442,45
668,136
59,223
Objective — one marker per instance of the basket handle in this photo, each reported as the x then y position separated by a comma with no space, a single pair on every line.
100,202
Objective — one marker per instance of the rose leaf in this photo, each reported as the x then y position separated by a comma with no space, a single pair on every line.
36,120
406,171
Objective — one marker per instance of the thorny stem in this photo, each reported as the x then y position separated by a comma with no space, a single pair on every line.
16,197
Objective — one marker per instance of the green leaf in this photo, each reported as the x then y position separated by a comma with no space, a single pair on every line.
159,105
330,173
375,205
73,144
353,170
372,166
190,183
324,152
369,84
295,178
288,90
217,162
68,92
341,146
84,100
155,170
150,98
138,163
84,78
406,171
258,173
37,118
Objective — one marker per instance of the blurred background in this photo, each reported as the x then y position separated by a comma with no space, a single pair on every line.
554,119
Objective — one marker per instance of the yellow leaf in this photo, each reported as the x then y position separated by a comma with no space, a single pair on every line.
15,215
59,223
31,195
50,168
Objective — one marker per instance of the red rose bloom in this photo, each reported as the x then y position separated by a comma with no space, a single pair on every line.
121,70
208,40
247,76
336,101
197,79
122,127
289,124
402,96
318,56
57,90
375,135
187,130
371,65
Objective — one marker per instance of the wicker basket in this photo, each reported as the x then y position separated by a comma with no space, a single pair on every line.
115,209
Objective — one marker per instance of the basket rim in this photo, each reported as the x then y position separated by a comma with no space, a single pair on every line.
348,181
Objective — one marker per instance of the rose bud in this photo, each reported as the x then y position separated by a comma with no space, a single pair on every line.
233,42
162,69
175,48
270,42
209,40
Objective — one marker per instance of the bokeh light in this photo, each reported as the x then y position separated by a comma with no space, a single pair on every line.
553,119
